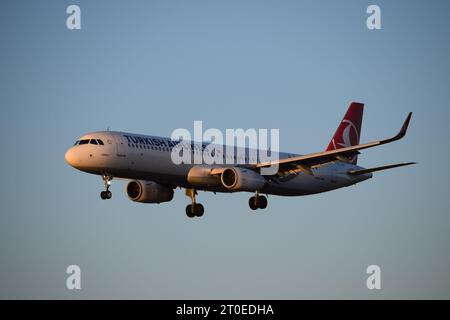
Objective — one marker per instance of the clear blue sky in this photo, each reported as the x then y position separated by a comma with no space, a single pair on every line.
154,66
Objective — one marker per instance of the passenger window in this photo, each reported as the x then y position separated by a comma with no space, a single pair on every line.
93,141
86,141
100,142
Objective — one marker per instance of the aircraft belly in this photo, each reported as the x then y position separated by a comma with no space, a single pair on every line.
298,185
158,167
304,184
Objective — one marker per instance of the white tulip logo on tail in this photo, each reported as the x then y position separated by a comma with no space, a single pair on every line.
346,137
346,140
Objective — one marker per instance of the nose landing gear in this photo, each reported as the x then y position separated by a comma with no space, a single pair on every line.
107,181
106,195
195,209
257,202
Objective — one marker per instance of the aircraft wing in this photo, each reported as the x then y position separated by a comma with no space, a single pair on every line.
305,162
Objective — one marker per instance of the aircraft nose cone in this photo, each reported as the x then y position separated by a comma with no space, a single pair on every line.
71,157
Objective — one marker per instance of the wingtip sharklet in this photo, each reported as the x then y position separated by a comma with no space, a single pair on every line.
405,125
402,131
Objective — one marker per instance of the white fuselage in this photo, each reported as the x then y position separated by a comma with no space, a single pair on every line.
141,157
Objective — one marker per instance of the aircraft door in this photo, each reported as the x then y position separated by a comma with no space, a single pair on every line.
120,146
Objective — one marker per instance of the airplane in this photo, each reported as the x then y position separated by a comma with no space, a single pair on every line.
146,161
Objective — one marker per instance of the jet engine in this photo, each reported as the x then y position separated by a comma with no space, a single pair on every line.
241,179
148,192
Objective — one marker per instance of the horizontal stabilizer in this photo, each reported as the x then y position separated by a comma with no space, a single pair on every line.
364,171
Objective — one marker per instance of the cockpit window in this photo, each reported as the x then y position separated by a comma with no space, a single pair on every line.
86,141
89,141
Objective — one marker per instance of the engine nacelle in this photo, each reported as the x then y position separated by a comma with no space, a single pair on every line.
148,192
241,179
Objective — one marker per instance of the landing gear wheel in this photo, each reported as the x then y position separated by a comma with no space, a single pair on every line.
253,203
262,202
194,209
257,202
103,195
108,194
190,212
199,210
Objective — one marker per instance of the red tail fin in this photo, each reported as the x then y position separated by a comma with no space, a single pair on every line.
348,132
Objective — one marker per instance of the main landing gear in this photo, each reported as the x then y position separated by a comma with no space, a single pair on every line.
257,202
195,209
107,181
